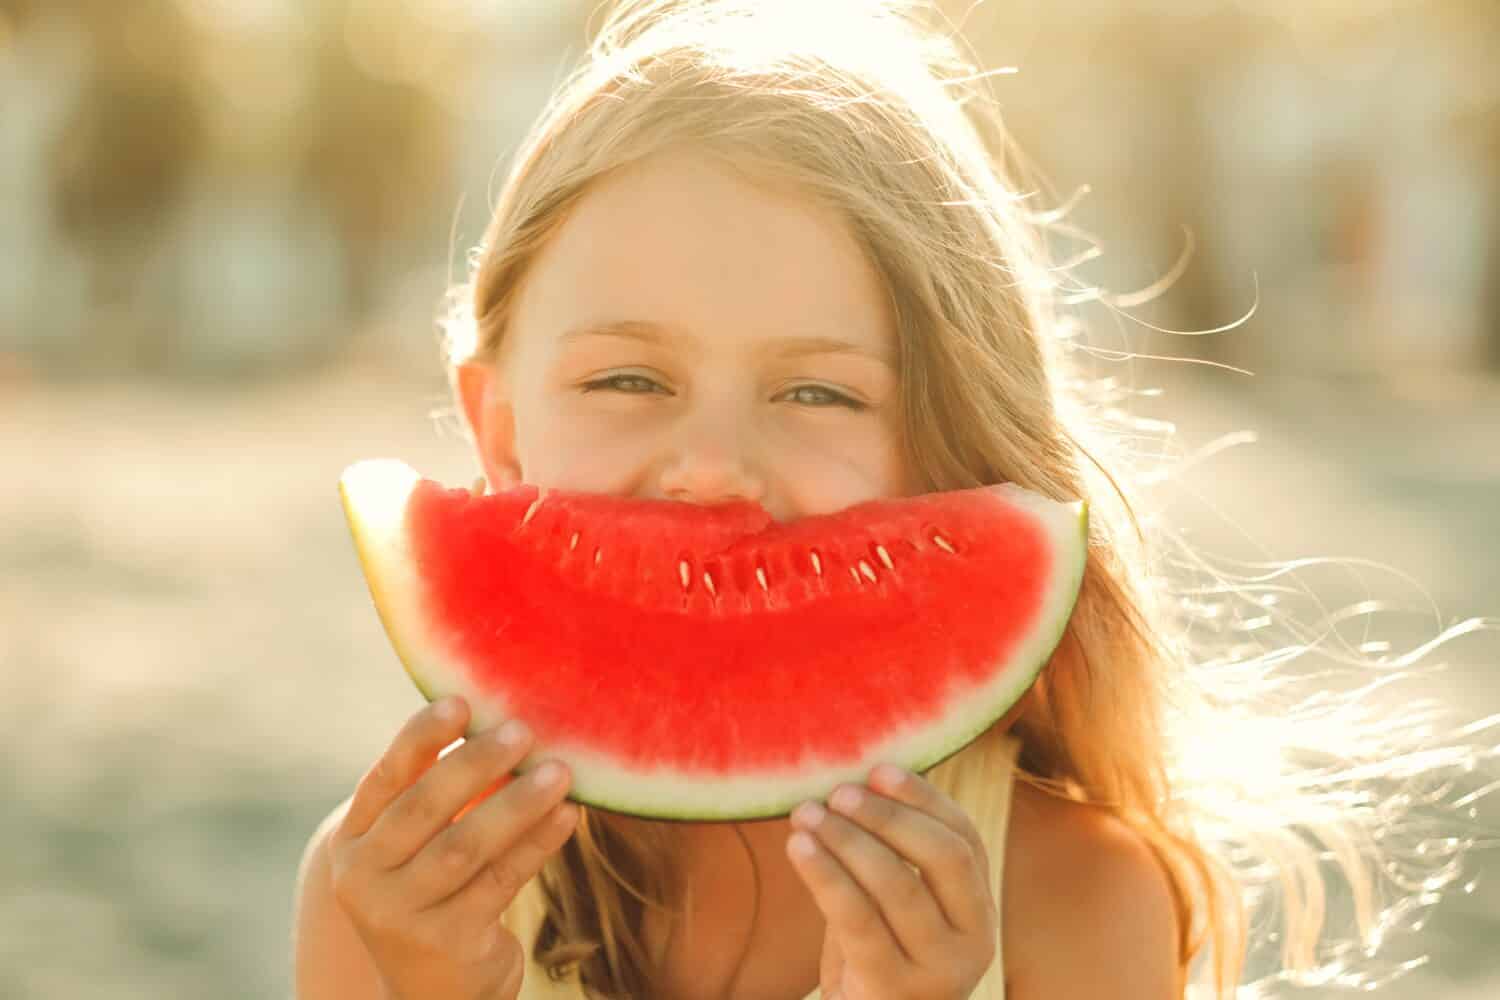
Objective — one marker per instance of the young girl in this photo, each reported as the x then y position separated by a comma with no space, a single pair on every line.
767,251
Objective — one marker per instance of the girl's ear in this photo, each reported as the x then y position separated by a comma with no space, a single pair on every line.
491,421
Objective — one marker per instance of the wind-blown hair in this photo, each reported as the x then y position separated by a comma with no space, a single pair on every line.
1157,704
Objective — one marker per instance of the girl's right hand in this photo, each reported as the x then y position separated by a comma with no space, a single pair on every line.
425,892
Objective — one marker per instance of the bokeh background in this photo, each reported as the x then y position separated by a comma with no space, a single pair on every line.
225,226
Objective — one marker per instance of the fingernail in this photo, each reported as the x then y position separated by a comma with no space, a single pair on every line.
802,845
808,814
549,773
446,708
845,798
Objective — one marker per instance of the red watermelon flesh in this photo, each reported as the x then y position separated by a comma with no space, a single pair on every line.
710,663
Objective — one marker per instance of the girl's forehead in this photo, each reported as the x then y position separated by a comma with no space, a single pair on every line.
681,242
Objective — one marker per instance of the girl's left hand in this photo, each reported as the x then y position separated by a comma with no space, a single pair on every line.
895,933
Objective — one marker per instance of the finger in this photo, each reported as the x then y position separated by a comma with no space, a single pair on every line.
484,793
864,936
903,898
916,791
502,824
411,752
429,806
494,886
955,871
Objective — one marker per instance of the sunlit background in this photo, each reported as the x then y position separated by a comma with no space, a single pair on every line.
225,226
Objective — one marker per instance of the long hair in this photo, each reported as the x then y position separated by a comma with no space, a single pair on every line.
874,110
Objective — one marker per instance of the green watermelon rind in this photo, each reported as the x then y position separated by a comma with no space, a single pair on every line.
374,493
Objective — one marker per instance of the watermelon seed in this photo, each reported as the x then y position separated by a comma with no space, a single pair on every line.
531,510
596,557
854,573
708,582
685,573
885,556
942,543
816,563
574,543
760,575
864,568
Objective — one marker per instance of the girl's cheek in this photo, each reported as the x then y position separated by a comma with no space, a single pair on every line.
832,468
593,457
824,487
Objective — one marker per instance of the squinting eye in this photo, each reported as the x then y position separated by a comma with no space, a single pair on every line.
612,382
830,397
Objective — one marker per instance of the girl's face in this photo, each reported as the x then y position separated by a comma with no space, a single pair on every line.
690,336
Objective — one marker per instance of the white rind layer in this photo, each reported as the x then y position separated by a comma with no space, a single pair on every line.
375,494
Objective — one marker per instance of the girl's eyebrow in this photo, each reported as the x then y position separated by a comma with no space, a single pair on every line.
656,333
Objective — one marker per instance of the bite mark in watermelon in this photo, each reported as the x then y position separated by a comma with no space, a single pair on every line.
708,663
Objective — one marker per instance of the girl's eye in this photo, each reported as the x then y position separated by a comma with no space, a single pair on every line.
613,382
637,385
829,397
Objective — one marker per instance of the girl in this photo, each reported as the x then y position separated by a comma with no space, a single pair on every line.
767,251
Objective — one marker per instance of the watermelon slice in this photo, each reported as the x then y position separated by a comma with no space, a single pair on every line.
708,663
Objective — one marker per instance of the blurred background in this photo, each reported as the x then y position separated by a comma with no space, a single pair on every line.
225,226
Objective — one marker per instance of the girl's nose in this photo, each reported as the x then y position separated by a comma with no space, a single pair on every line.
709,472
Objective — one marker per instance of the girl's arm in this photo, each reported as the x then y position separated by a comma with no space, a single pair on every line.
330,961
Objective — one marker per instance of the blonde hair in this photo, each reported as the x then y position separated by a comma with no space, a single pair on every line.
872,109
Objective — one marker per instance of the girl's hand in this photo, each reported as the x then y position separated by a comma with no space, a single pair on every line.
895,933
424,888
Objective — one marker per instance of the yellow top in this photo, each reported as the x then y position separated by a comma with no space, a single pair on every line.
979,778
